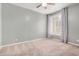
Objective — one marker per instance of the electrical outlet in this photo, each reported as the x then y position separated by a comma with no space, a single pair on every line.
77,40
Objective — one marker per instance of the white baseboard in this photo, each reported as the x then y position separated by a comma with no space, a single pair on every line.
73,44
20,42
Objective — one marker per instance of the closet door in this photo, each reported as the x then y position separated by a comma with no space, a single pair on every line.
73,24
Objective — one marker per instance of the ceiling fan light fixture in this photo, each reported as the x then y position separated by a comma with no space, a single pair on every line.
44,4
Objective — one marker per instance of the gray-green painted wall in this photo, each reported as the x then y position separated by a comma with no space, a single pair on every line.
73,22
0,23
19,24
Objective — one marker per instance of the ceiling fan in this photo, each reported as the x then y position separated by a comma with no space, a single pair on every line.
44,5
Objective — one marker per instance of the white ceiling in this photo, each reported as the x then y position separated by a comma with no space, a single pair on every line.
50,8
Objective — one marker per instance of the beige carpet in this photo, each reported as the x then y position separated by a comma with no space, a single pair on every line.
42,47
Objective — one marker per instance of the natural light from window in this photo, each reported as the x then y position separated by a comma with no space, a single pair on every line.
55,24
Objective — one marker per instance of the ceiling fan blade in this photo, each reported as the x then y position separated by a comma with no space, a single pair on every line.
45,7
51,3
38,6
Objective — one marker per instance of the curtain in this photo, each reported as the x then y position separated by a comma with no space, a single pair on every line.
65,25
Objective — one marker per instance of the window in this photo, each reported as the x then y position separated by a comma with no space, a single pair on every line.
55,24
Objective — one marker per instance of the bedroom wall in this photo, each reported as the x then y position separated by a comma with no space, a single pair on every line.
0,23
73,22
20,24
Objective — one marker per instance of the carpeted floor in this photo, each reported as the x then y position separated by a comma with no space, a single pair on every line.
42,47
